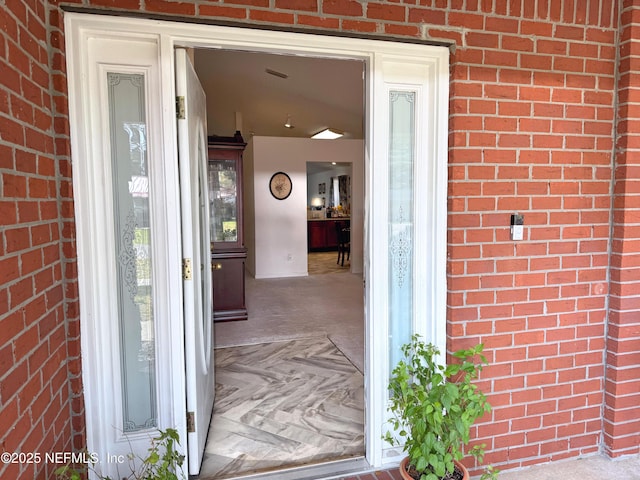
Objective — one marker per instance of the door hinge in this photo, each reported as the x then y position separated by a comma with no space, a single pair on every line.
186,269
191,422
180,113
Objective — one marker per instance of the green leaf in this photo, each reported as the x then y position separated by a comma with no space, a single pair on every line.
153,458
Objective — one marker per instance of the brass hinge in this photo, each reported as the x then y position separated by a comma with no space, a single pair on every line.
180,113
191,422
186,269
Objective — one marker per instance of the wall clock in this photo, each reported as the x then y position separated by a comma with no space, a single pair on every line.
280,185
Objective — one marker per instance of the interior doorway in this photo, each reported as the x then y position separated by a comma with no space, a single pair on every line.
290,379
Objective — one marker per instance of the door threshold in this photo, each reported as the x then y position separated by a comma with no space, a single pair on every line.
322,471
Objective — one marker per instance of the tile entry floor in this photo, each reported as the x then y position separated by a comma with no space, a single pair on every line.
320,263
297,401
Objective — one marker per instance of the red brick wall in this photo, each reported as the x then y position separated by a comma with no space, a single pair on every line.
533,94
67,222
622,415
531,132
35,300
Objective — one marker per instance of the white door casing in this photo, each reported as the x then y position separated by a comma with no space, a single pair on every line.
198,308
92,56
425,79
389,66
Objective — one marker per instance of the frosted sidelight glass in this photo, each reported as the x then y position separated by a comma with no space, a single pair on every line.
134,264
401,220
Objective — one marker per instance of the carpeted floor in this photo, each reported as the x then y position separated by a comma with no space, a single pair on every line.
283,404
329,305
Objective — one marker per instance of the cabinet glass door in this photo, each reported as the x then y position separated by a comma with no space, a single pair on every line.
223,200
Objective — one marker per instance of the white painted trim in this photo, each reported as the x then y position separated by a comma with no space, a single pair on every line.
87,65
373,53
427,77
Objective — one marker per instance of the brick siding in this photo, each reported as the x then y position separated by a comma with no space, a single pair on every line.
36,284
622,388
531,131
392,474
533,117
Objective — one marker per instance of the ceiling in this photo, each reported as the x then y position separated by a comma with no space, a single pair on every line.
316,93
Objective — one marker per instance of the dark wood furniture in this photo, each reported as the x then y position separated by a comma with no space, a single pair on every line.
228,253
321,234
343,232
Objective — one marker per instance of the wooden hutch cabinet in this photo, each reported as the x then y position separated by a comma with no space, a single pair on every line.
228,253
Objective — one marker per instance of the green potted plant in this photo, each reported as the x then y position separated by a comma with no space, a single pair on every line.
163,462
433,408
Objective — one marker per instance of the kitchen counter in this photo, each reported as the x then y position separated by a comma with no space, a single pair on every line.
321,233
325,219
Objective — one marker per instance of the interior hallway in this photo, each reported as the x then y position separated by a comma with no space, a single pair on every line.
289,383
329,305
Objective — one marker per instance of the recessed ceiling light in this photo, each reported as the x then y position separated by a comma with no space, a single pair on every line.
327,134
288,123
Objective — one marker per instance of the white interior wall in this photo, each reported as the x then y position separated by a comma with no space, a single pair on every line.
278,240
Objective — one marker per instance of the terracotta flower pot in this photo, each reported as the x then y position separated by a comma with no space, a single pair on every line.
406,476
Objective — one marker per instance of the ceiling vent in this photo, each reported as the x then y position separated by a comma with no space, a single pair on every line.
275,73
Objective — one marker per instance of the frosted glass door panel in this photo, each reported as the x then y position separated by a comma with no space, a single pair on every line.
133,250
401,220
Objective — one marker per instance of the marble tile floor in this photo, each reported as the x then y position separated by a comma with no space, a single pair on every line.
283,404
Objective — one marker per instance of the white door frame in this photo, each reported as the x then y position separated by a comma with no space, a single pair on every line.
426,71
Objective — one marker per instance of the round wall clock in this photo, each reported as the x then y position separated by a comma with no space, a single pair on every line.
280,185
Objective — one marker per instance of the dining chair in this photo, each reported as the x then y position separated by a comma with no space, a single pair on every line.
343,234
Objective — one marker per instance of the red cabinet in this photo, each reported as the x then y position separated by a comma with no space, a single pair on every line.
321,234
316,235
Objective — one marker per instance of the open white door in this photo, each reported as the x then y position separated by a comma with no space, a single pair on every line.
198,312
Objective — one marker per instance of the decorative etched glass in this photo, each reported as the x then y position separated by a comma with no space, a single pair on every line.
401,220
223,201
133,250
